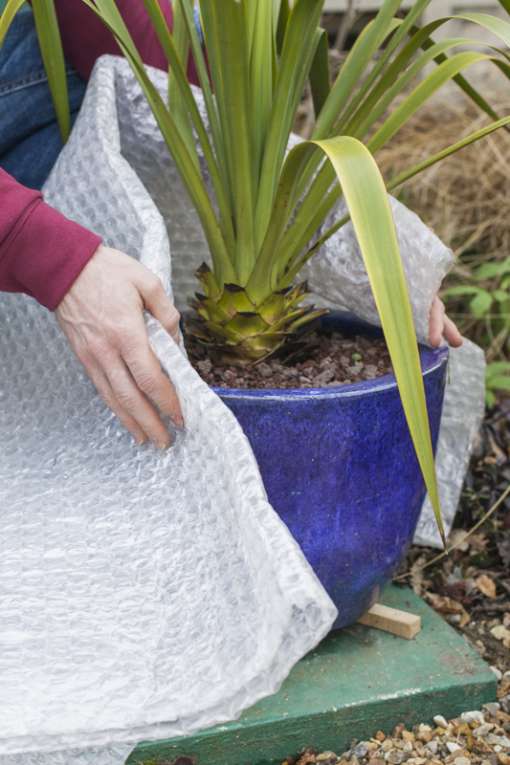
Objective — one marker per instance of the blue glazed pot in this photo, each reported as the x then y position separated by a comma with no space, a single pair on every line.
339,468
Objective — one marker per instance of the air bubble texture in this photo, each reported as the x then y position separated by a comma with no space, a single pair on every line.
144,594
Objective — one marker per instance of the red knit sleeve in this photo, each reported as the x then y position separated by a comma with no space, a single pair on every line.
41,251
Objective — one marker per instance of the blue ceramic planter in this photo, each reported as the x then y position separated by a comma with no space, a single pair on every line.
339,468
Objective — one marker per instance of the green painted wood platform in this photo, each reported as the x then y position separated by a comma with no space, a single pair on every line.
356,682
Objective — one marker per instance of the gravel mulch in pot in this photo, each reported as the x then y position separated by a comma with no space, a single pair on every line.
325,361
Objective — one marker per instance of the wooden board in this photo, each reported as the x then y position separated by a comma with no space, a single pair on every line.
393,620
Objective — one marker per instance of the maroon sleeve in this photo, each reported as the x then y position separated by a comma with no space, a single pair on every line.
85,37
41,251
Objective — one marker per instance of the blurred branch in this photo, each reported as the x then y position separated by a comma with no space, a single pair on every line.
345,25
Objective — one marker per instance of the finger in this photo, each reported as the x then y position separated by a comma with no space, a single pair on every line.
133,401
161,307
152,381
146,370
104,389
436,323
452,333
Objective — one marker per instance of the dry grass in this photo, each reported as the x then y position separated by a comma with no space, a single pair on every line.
466,198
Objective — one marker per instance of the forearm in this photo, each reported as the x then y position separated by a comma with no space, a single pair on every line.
41,251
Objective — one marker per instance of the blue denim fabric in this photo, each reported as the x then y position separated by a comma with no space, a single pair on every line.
29,136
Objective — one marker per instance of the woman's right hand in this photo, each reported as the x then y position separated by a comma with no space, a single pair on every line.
102,317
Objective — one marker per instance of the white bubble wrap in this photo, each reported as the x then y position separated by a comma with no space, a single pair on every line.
142,594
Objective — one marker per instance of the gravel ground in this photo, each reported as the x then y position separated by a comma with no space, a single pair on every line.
471,589
476,737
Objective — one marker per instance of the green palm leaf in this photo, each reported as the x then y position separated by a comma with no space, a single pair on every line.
369,209
295,266
8,15
48,33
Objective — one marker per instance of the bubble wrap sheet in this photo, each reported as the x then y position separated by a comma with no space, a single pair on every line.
142,594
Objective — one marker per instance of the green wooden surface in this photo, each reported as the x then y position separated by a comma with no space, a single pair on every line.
359,680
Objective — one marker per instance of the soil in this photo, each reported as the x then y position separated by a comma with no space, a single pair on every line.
326,360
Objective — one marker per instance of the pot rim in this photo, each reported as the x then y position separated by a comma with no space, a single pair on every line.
431,360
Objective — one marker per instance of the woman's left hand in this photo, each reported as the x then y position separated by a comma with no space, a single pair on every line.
441,327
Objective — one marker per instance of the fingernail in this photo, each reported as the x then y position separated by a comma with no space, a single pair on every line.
140,441
163,445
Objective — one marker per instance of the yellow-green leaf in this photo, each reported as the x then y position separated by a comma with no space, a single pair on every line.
50,43
7,17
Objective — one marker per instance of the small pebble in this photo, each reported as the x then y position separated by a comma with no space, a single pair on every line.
371,371
432,746
492,707
424,733
483,730
501,633
440,721
361,750
470,717
394,757
265,370
497,672
462,761
204,366
453,747
502,741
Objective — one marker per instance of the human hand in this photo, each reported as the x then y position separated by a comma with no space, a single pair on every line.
102,317
441,327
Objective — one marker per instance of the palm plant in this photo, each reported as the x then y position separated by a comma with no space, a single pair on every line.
267,204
